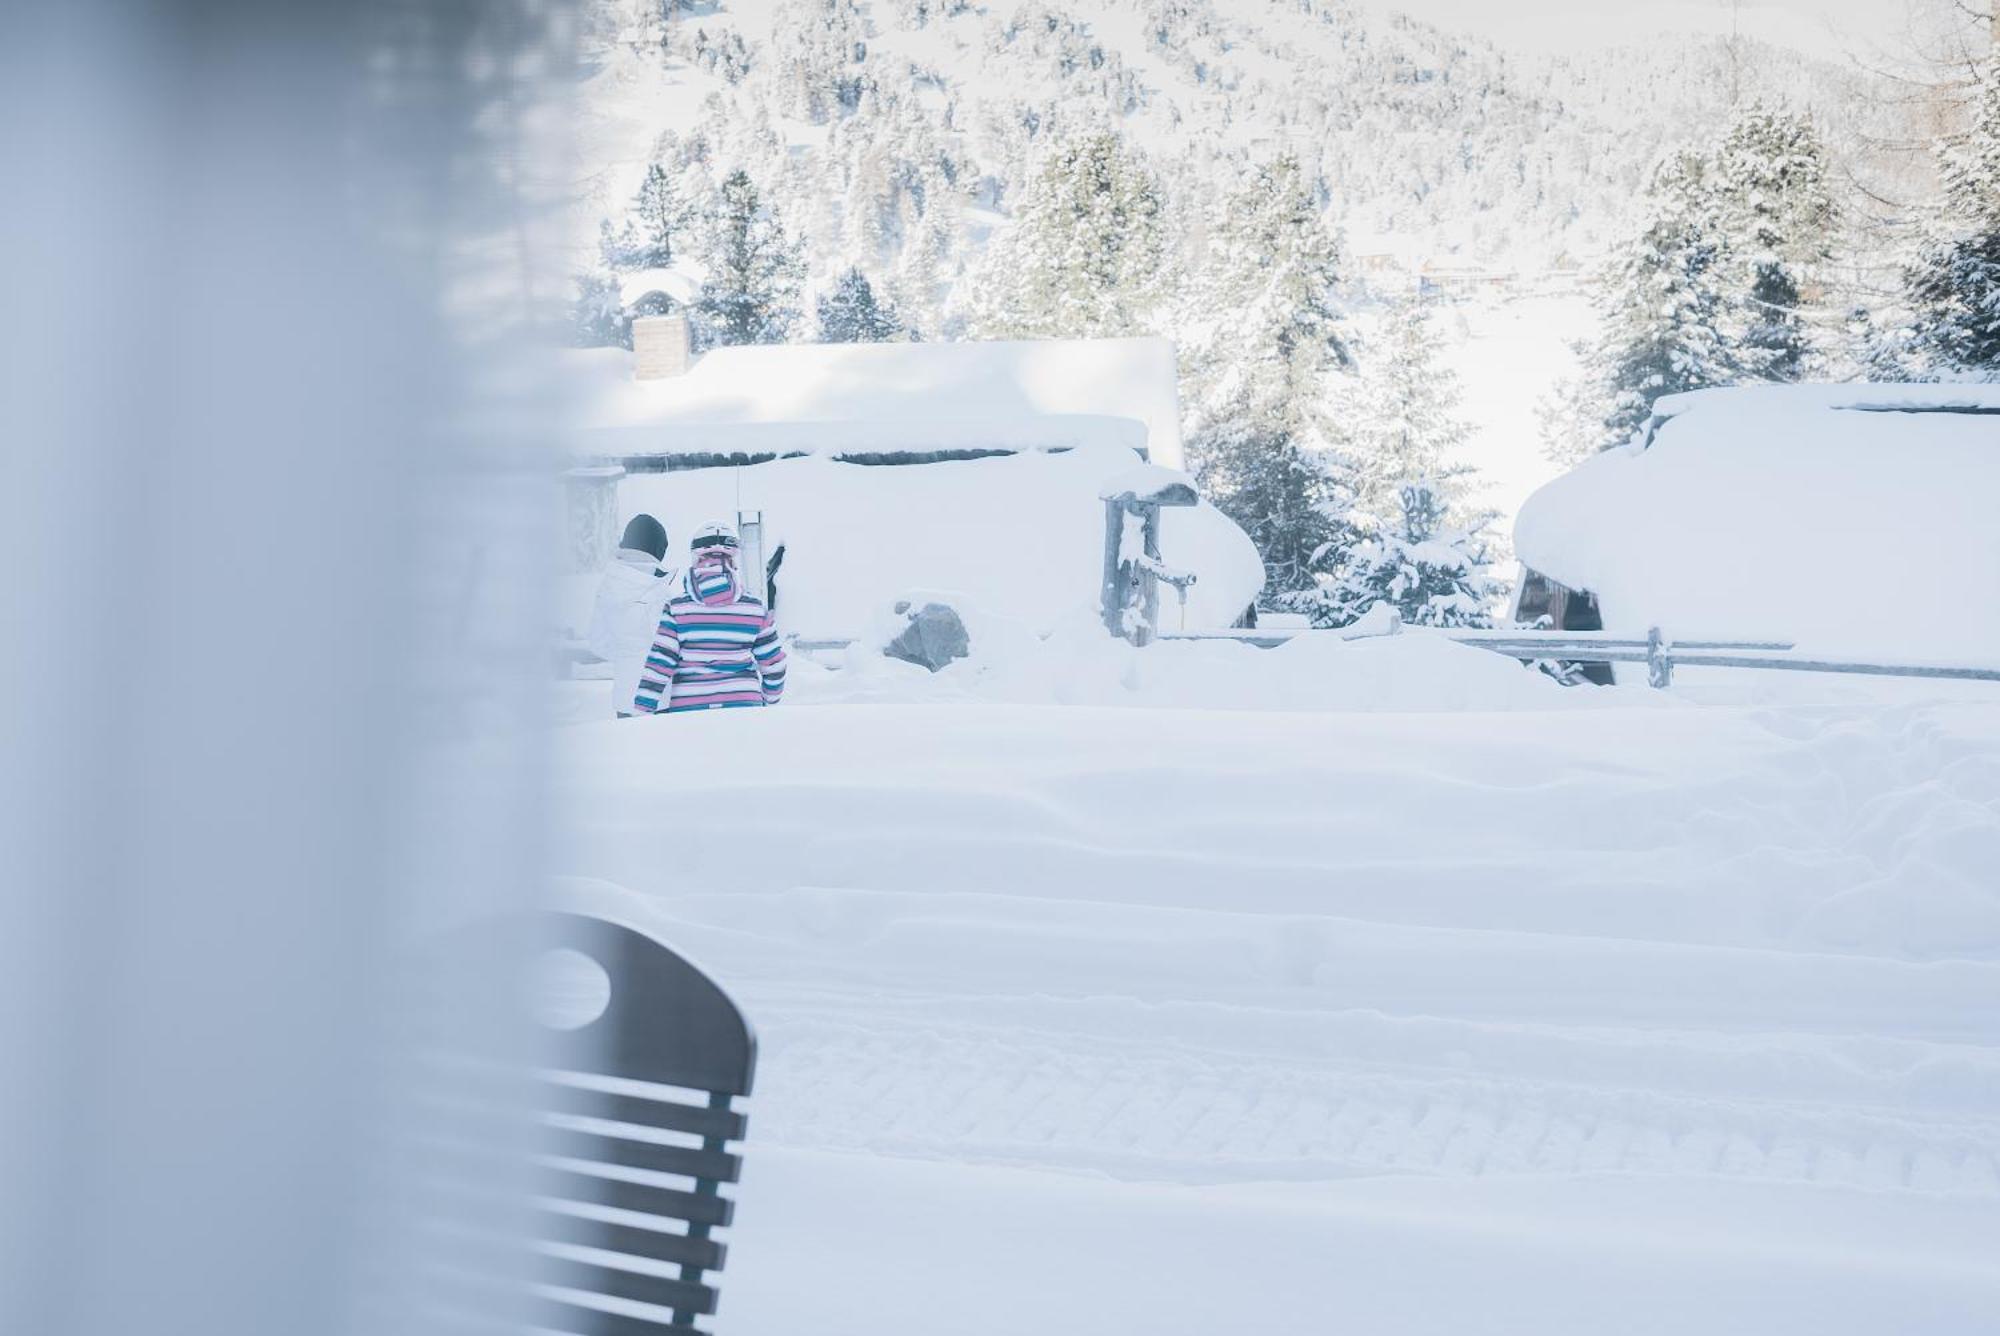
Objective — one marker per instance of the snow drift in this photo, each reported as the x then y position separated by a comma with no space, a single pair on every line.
1020,537
1081,665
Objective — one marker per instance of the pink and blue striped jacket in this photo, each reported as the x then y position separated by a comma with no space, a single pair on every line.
716,648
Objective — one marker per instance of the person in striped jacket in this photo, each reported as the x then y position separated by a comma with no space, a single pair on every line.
716,647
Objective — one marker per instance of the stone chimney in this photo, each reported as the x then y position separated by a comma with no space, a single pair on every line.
659,347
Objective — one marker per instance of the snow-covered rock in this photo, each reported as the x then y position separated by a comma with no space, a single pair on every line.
934,638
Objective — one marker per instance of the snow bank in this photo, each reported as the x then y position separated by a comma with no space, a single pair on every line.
1020,537
1081,665
1851,518
823,398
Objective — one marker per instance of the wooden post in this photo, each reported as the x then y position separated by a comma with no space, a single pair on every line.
1149,584
1659,660
1111,594
1134,586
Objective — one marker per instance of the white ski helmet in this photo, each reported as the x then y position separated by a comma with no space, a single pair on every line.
710,537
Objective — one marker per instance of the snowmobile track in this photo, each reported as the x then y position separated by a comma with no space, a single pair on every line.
1176,1115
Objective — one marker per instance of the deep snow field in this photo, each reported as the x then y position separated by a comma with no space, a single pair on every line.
1426,996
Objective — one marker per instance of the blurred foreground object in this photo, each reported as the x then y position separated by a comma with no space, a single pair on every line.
275,641
642,1096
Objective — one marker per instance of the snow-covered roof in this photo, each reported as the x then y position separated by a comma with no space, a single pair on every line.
886,397
676,283
1840,516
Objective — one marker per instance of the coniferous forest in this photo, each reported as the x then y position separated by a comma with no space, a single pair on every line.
1297,193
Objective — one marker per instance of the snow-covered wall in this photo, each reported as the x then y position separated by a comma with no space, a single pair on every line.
1848,517
1019,536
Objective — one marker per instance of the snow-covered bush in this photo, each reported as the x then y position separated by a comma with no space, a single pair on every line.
1433,573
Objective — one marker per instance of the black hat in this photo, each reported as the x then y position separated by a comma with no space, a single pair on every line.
646,534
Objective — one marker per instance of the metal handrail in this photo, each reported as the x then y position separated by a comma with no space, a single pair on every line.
1661,653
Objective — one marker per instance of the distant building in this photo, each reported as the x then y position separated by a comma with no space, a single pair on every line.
1463,281
1386,261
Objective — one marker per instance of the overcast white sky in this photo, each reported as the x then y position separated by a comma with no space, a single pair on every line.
1821,26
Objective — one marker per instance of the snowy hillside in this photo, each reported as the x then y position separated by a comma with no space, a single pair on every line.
869,109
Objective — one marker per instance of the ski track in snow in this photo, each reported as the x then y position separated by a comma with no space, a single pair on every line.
1163,1112
1752,944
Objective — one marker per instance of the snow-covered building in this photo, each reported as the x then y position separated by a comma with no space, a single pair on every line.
1840,517
1440,278
968,470
873,400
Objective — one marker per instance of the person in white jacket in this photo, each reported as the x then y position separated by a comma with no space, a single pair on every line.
634,590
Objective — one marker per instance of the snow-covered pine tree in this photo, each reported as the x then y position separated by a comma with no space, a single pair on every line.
822,51
1264,349
1714,288
1954,287
1770,172
922,280
1265,319
1877,351
1288,497
1087,256
752,290
659,214
1400,417
851,313
1664,302
1432,571
1573,413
